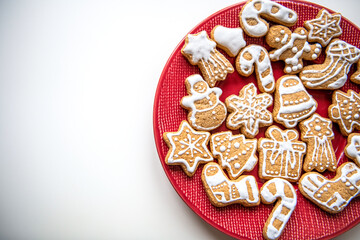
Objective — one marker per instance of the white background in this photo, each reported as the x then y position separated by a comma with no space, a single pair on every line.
77,83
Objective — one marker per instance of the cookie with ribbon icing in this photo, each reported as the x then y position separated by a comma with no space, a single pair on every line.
231,40
187,148
281,154
254,12
352,149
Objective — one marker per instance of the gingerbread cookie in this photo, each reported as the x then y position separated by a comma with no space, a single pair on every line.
200,50
324,27
187,148
223,192
253,11
231,40
355,77
335,194
258,56
345,111
292,102
206,111
280,154
317,133
291,47
332,74
352,149
235,153
281,190
248,111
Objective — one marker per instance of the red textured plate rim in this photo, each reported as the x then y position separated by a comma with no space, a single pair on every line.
158,137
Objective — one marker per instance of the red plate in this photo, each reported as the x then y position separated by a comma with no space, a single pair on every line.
308,221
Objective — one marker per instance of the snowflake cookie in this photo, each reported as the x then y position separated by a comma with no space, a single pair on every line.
248,111
324,27
223,192
206,111
281,154
187,148
200,50
345,111
231,40
291,47
317,132
352,149
235,153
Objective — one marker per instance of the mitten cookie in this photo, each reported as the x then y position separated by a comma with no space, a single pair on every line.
187,148
292,102
223,192
291,47
317,133
255,55
235,153
280,154
281,190
206,111
253,11
324,27
335,194
200,50
345,111
352,149
231,40
332,74
248,111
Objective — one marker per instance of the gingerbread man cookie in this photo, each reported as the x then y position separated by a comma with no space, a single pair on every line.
206,111
332,74
324,27
223,192
352,149
200,50
187,148
258,56
231,40
335,194
292,102
248,111
235,153
252,12
291,47
345,111
317,133
280,154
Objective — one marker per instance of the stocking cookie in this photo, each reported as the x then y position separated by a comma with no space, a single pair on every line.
255,55
200,50
352,149
345,111
254,10
235,153
324,27
292,102
317,133
187,148
280,154
281,190
335,194
223,192
231,40
206,111
291,48
249,111
332,74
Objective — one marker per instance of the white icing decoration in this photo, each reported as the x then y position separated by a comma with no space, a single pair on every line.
353,148
200,47
230,38
288,202
284,16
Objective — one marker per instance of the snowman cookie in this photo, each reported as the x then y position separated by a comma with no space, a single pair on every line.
231,40
200,50
206,111
291,47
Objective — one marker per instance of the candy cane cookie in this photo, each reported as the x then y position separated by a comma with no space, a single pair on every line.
272,190
252,14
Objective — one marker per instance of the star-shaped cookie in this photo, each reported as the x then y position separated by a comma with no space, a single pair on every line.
187,148
248,111
324,27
